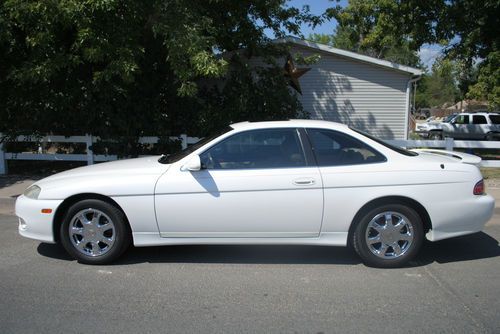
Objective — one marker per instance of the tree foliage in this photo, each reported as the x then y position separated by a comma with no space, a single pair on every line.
128,68
439,87
372,28
395,29
488,83
467,28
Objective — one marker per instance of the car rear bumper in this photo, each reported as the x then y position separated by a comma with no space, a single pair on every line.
479,212
33,223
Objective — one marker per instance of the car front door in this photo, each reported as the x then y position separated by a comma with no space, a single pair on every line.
458,128
256,183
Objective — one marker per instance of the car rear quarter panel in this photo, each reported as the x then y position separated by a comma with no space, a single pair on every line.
446,193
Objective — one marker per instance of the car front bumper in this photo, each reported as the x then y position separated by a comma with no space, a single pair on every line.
422,134
33,223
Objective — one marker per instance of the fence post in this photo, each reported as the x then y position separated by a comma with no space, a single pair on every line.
90,152
184,141
3,161
449,143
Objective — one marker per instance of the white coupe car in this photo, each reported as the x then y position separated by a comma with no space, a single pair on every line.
296,182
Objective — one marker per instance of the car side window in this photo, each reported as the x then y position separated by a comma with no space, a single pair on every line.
267,148
462,119
479,119
495,119
333,148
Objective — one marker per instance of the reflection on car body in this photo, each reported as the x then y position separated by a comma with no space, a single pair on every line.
287,182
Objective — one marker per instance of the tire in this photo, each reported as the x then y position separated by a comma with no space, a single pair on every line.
435,136
95,232
383,247
490,136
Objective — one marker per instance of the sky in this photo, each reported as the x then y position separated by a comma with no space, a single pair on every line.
427,52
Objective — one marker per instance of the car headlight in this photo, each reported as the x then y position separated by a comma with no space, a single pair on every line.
32,192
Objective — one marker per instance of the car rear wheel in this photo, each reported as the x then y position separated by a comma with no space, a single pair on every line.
435,136
388,236
94,232
490,136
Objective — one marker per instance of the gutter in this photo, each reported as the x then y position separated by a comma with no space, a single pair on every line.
350,55
407,113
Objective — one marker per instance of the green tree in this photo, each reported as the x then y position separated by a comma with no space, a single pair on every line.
439,87
488,83
360,30
122,69
467,29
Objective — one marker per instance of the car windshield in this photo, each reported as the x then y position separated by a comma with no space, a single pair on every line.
398,149
448,118
174,157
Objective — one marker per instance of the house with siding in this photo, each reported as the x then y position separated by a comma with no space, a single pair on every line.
367,93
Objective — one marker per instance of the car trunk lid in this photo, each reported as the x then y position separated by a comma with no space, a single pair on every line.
457,156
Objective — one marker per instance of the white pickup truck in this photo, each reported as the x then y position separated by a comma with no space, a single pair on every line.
482,126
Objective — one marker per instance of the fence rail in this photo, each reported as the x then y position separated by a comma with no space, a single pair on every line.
448,144
88,140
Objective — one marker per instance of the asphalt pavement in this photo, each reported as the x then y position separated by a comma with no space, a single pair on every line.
453,286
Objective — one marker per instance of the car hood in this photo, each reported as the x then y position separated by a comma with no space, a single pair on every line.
429,125
138,166
118,178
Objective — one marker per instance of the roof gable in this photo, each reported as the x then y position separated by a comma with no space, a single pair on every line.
351,55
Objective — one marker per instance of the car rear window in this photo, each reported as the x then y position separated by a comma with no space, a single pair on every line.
495,119
398,149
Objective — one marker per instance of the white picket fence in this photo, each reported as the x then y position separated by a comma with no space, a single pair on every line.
448,144
88,140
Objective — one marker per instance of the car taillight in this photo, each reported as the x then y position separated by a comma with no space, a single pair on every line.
479,188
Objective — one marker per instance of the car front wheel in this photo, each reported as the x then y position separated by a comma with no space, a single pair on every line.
435,136
388,236
94,232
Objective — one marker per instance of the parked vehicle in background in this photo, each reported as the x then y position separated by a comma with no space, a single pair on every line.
449,118
432,129
480,126
422,113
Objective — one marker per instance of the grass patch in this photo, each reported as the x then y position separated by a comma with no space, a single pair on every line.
490,173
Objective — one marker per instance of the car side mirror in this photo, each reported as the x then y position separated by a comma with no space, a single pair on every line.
193,165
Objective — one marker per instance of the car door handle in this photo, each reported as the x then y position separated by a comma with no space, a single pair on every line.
304,182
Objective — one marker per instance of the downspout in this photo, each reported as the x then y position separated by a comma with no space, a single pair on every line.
408,97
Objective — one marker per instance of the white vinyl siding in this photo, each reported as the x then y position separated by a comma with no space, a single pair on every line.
365,96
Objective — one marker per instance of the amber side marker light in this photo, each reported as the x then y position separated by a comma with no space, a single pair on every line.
46,210
479,188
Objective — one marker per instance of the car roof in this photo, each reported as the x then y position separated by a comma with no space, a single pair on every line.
294,123
479,113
